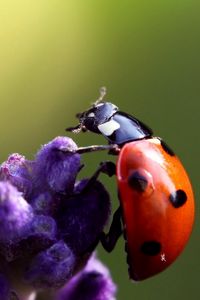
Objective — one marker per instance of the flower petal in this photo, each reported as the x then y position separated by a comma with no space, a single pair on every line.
52,267
15,213
56,167
92,283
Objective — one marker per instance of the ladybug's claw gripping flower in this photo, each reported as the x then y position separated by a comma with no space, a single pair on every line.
50,224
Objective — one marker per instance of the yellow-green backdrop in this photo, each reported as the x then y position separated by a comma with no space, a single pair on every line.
54,56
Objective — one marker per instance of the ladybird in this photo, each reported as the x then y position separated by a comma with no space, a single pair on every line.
156,211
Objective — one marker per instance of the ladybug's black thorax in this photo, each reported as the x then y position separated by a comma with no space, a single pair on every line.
127,129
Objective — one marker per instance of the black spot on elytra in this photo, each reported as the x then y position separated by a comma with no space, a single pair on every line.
166,148
178,198
151,248
137,182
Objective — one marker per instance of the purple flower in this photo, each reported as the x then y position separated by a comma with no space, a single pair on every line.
50,225
52,267
55,168
82,217
16,170
45,203
15,213
93,282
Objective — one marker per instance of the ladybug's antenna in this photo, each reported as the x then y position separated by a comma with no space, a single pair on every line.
102,92
81,116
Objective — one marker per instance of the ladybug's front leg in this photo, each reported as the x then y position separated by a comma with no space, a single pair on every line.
112,149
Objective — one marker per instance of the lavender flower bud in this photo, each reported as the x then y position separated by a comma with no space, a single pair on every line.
45,203
82,217
44,226
40,234
16,170
92,283
55,167
15,213
52,267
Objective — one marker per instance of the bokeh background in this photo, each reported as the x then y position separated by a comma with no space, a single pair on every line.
54,56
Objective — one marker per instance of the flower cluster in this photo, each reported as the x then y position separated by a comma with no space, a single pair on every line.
50,224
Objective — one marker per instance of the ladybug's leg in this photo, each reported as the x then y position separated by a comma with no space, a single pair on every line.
109,240
106,167
113,149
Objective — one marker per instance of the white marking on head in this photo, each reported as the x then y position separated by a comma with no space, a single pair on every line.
109,127
91,115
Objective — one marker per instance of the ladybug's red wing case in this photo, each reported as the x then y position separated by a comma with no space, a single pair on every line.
157,203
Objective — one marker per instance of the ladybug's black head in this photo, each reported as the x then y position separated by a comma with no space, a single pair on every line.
106,119
91,119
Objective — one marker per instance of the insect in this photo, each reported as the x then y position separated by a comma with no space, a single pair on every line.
156,211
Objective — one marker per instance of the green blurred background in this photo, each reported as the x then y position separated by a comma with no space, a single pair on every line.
54,56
